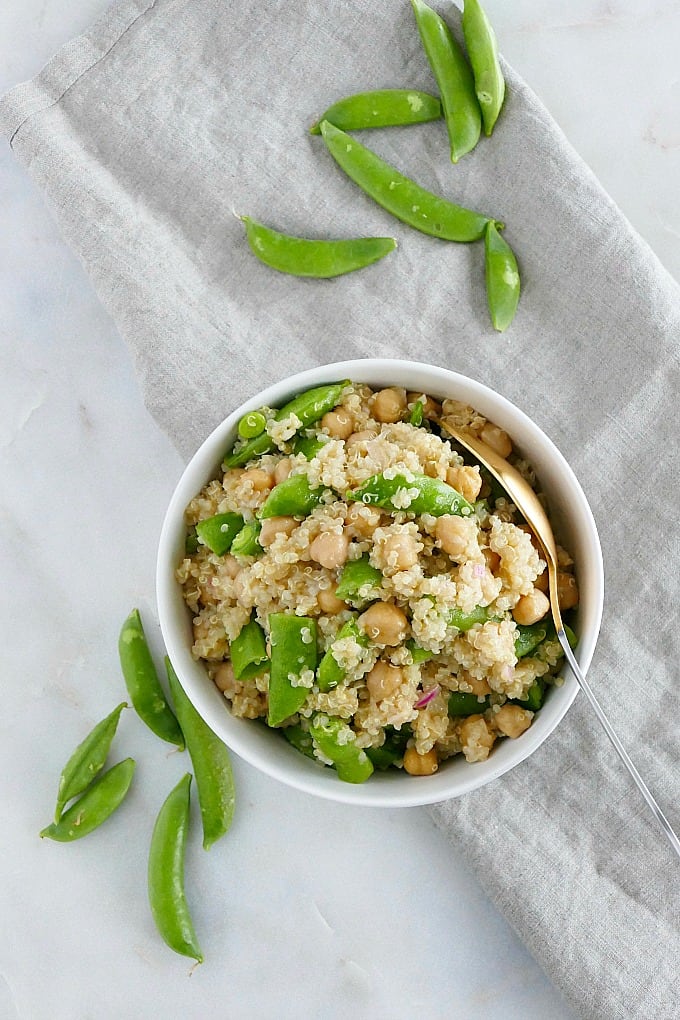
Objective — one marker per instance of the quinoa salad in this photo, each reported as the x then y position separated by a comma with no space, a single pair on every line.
360,584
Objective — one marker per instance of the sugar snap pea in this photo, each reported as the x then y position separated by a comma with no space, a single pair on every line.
219,532
248,651
97,804
482,47
393,748
416,415
534,697
87,760
462,703
166,873
309,446
246,542
293,497
143,684
191,542
337,742
502,278
454,78
418,494
212,767
293,652
399,195
529,637
330,673
382,108
419,654
301,740
359,581
464,621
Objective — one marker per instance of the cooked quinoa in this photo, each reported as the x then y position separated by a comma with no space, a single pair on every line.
424,655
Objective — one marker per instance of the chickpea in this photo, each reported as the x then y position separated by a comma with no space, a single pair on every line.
384,623
282,470
531,608
420,764
512,720
466,480
330,549
476,738
401,551
224,678
231,566
567,590
384,680
542,582
273,526
329,602
389,405
339,424
362,520
431,409
493,560
497,439
259,479
360,437
480,687
453,534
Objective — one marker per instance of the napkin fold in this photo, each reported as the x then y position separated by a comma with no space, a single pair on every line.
150,130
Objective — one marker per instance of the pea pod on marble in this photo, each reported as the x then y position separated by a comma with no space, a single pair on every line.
97,804
87,760
143,685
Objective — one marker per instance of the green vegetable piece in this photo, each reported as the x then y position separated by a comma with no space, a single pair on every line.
300,256
399,195
87,760
482,47
464,621
143,684
309,446
252,425
246,542
97,804
309,407
293,651
292,497
454,78
416,416
427,495
359,581
249,651
301,740
212,767
529,638
383,757
191,542
219,532
535,696
462,703
419,654
329,673
571,637
166,873
502,278
351,762
382,108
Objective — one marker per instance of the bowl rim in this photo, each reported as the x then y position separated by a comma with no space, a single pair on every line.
381,790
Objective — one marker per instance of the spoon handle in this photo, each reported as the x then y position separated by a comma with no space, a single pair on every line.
623,754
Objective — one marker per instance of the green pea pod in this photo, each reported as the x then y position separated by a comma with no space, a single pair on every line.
143,684
454,78
212,767
502,278
382,108
246,542
219,532
301,740
309,407
309,446
535,696
359,581
399,195
419,654
97,804
166,873
392,750
293,497
351,762
462,703
416,416
87,760
191,542
464,621
419,495
293,651
248,651
301,256
482,47
530,637
329,673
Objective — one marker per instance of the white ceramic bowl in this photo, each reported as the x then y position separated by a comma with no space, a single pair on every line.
266,749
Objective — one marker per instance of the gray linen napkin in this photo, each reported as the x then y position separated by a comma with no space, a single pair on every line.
147,132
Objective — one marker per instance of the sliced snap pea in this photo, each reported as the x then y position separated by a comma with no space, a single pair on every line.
166,873
482,47
97,804
191,542
212,767
502,278
246,542
351,762
382,108
399,195
143,685
219,532
416,415
87,760
309,446
252,425
462,703
359,581
293,497
419,495
248,651
329,673
535,696
301,256
301,740
419,654
293,651
530,637
309,407
464,621
392,750
454,78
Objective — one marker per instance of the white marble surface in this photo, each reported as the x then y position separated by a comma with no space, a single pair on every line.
308,909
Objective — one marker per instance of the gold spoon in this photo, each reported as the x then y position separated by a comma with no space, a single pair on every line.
528,504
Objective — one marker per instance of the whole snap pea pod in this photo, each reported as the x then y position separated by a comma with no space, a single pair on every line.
359,581
301,256
419,495
87,760
462,703
248,651
166,873
351,762
464,621
502,278
309,407
482,47
97,804
301,740
212,767
329,673
399,195
143,684
293,651
219,532
294,497
454,78
382,108
246,542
